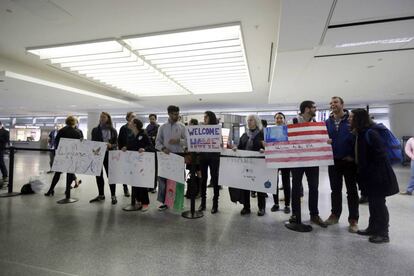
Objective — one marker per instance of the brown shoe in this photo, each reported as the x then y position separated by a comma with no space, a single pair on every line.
333,219
318,221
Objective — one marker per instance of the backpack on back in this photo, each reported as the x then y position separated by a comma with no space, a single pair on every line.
392,144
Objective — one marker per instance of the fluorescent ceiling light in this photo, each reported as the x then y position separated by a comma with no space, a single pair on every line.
373,42
173,63
63,87
77,50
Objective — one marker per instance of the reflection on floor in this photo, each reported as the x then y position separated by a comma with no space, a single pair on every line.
40,237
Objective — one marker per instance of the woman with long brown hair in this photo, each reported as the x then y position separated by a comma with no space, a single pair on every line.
375,174
105,132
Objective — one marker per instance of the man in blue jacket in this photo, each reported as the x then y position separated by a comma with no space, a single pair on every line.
343,146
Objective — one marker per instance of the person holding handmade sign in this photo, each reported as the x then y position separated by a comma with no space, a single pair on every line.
280,120
70,132
171,137
210,160
124,134
252,139
139,141
105,132
307,114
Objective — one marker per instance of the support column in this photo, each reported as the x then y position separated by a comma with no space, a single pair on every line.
93,121
401,117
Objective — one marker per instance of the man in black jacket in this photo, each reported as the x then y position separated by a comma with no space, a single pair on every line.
4,140
124,134
152,131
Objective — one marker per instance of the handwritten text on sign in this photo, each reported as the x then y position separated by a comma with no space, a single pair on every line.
171,166
82,157
132,168
247,174
204,138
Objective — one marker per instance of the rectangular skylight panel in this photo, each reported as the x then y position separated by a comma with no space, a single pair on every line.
212,71
212,76
106,66
200,63
78,50
100,61
205,68
124,53
186,37
191,47
197,58
217,50
111,70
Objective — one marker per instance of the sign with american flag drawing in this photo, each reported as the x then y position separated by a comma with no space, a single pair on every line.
298,145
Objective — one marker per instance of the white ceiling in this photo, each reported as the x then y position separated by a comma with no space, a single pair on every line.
296,74
371,78
36,23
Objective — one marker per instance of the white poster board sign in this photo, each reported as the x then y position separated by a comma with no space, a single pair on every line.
298,145
247,174
81,157
241,153
171,166
132,168
204,138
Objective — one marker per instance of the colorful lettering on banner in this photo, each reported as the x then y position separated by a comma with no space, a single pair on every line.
132,168
204,138
247,173
298,145
80,157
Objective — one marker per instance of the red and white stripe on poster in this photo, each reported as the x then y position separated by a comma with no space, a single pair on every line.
306,146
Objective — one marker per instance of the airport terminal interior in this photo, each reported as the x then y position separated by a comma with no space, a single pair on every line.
73,63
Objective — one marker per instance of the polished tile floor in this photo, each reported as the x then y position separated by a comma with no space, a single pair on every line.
40,237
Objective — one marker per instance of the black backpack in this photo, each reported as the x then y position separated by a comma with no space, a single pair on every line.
27,189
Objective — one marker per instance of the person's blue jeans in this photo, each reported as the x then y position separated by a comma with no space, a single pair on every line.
410,187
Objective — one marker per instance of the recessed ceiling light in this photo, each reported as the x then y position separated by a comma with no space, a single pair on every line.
372,42
175,63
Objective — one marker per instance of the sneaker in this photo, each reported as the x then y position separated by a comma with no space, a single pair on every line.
353,226
261,212
162,207
286,210
114,200
5,180
144,208
318,221
333,219
406,193
379,239
96,199
274,208
245,212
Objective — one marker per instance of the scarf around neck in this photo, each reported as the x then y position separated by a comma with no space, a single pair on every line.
252,135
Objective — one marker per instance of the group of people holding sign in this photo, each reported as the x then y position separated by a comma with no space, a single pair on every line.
296,149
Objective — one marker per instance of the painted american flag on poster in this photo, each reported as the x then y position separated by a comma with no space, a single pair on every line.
298,145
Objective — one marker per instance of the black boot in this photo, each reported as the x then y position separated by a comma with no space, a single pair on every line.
202,205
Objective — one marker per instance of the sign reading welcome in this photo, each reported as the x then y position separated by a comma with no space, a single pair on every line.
204,138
